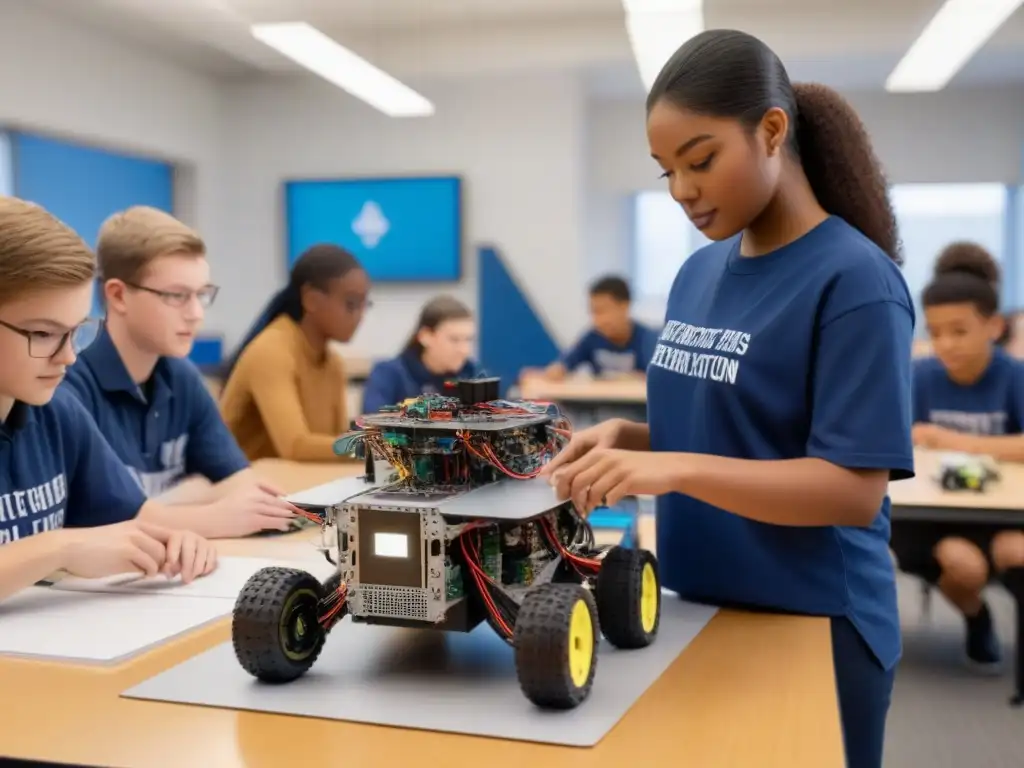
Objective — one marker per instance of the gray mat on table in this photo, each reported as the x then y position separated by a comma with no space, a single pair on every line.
453,682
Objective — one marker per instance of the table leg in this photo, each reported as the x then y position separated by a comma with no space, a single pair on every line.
1013,580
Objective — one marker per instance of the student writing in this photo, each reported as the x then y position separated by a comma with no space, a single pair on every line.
779,392
968,397
438,351
616,345
149,401
284,396
66,500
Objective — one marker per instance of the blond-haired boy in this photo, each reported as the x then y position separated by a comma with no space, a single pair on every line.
66,501
149,401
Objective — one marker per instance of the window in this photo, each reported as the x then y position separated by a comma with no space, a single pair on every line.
930,216
663,239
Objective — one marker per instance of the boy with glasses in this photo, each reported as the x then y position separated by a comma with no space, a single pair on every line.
147,398
66,501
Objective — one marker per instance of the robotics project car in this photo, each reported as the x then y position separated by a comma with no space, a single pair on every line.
450,527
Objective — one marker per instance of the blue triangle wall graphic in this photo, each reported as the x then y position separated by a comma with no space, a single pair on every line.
512,336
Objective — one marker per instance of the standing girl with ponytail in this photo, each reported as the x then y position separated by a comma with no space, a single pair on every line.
284,391
779,393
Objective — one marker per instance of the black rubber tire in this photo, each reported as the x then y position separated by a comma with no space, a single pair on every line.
950,482
262,624
541,642
618,596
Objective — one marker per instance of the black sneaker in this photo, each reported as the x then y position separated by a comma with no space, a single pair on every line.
983,651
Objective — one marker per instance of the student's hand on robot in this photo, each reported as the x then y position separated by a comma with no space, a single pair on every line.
255,508
603,435
137,546
604,476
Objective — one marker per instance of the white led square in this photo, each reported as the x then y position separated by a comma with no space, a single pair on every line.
391,545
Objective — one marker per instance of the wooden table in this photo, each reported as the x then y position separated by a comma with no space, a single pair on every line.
751,690
586,391
922,498
292,476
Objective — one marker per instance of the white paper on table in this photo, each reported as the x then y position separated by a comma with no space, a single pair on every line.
226,582
98,627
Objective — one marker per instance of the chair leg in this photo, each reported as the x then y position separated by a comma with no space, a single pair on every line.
1013,580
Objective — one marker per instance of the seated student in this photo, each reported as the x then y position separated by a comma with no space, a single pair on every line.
148,400
617,344
66,501
969,397
438,351
284,393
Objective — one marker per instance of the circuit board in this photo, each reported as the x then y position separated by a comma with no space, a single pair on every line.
438,444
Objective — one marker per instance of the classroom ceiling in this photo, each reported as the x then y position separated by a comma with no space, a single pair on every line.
852,45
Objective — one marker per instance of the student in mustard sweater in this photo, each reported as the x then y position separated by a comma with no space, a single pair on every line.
284,392
438,351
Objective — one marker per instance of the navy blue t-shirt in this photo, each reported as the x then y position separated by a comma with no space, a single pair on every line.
993,405
163,431
400,378
57,471
803,352
604,357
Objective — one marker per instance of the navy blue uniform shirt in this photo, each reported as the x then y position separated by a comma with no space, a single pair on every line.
993,405
803,352
605,357
163,431
392,381
57,471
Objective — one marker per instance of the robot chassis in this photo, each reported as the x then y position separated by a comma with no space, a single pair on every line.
450,527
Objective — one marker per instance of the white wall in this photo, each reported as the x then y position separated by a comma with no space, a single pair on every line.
60,78
953,136
516,142
547,174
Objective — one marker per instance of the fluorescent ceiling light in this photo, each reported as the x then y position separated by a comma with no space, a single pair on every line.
657,28
952,37
336,64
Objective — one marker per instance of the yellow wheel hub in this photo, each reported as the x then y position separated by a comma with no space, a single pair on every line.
648,598
581,644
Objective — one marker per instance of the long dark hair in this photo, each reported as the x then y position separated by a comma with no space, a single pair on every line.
316,267
730,74
438,310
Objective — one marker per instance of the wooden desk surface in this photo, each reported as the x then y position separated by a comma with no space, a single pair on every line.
923,491
292,476
750,690
632,391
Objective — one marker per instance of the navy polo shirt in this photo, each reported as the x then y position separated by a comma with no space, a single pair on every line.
993,405
164,430
803,352
57,471
400,378
605,357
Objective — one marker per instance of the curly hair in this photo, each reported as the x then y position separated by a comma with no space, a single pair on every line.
964,273
726,73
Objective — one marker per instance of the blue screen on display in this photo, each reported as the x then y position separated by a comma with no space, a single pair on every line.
402,230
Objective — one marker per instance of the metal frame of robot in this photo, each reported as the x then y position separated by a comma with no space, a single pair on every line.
506,500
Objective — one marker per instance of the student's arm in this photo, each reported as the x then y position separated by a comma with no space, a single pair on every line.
273,385
860,433
859,440
579,353
27,561
382,387
212,451
1009,448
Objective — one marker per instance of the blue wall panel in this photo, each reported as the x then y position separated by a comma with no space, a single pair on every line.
84,185
512,336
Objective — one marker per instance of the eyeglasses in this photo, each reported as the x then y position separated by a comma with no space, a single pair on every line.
47,344
206,295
